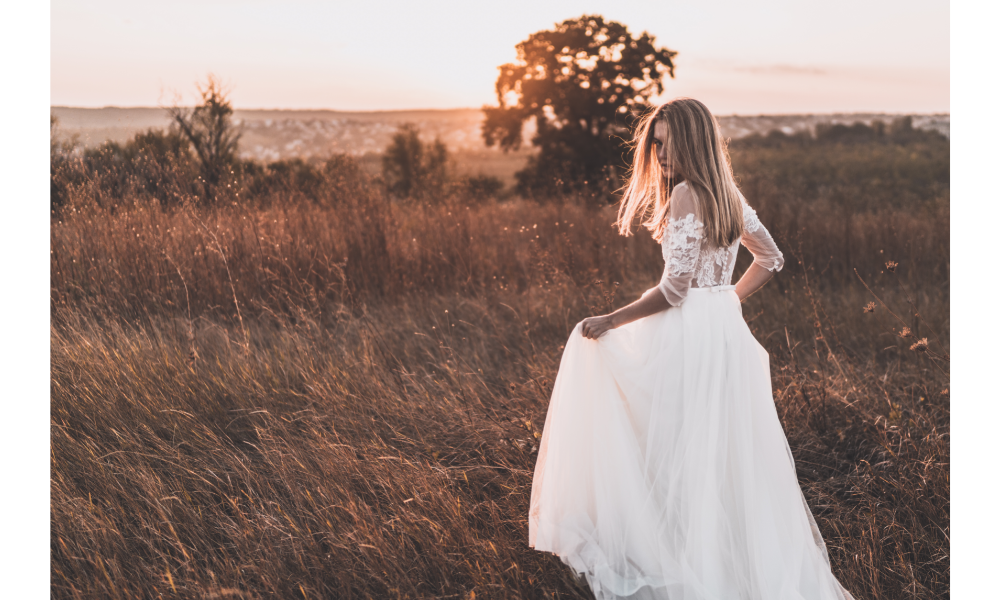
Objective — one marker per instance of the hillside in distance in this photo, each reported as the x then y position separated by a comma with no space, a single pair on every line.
270,135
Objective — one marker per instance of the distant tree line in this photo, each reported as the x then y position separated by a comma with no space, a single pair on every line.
898,130
196,160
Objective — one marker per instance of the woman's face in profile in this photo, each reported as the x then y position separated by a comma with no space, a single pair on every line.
668,166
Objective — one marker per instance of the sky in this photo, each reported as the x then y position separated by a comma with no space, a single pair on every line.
761,57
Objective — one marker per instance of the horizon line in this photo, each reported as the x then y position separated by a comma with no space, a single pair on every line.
456,109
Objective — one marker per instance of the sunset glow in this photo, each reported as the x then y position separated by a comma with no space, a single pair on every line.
777,56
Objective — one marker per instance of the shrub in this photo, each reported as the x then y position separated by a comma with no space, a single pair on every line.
413,169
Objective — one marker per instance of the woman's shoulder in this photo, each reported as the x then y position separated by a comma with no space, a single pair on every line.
682,188
685,219
683,201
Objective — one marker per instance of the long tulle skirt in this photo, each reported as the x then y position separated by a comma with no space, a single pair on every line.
663,471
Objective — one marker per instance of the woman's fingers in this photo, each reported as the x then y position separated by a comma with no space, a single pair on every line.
590,331
594,327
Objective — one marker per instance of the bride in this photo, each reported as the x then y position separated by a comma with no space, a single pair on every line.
663,471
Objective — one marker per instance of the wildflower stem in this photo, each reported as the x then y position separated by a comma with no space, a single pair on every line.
884,305
906,293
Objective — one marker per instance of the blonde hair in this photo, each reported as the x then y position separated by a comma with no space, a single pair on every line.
694,143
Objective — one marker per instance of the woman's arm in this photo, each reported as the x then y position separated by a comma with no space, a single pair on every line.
651,302
682,246
767,259
754,278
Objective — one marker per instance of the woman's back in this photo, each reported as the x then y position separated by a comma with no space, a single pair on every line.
692,261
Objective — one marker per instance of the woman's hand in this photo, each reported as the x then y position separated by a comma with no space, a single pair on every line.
752,280
652,302
595,327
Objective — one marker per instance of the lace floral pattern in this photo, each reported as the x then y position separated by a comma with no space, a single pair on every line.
683,244
690,261
713,261
751,224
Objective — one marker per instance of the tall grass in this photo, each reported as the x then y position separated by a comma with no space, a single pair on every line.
342,398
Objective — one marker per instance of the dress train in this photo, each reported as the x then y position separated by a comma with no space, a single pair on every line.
663,471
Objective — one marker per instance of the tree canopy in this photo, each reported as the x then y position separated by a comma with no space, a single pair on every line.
584,82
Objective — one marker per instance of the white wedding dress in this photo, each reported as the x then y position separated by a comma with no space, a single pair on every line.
663,471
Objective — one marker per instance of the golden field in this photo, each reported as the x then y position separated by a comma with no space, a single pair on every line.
329,393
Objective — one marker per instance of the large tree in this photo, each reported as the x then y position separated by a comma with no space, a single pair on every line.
585,82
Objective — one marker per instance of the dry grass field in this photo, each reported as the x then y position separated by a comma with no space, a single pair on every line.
340,397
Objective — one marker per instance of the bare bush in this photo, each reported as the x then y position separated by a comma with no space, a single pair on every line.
210,130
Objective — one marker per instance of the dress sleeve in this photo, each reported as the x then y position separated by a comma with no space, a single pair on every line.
681,245
759,242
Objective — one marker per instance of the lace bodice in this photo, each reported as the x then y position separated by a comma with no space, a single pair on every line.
691,261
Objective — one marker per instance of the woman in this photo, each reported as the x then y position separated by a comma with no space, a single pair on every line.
663,471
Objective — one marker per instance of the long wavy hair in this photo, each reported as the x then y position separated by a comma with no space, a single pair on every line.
695,144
